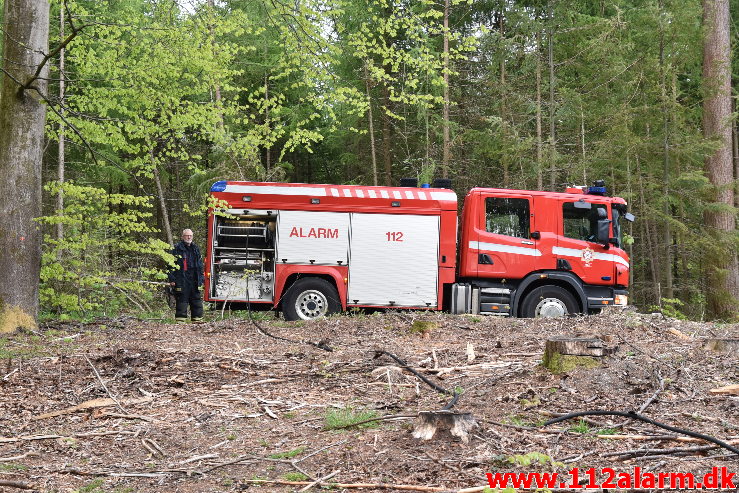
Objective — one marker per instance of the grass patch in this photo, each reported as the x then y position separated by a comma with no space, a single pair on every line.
10,348
294,476
345,418
580,427
289,454
10,467
92,487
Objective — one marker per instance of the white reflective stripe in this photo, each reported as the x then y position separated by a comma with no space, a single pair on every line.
272,190
567,252
334,192
360,194
371,193
443,196
422,196
497,247
409,195
347,192
384,194
574,252
609,257
396,194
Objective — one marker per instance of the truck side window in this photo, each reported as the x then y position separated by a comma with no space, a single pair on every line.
505,216
581,224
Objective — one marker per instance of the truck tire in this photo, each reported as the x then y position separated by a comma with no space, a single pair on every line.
310,298
549,301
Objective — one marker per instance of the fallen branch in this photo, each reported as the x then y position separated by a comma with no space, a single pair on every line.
729,389
663,451
91,404
15,484
74,435
381,418
103,384
656,438
633,415
19,457
319,480
384,486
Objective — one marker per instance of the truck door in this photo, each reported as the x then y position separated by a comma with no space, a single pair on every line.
577,247
504,244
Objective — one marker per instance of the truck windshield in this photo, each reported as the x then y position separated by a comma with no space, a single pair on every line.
582,224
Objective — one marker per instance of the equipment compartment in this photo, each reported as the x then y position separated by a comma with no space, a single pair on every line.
244,257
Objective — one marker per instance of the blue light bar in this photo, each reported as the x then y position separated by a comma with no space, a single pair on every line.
597,191
218,186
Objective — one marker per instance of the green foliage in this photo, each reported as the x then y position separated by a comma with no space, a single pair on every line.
107,259
670,307
533,458
181,97
345,418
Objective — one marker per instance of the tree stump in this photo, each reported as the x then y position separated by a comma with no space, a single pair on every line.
722,345
563,354
458,424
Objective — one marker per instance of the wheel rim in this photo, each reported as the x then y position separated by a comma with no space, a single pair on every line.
311,304
550,307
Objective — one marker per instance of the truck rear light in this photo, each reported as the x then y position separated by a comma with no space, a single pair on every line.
621,299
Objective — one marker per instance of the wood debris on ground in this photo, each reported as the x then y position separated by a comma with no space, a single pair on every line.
144,406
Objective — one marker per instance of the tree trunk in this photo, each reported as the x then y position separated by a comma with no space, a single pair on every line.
552,82
386,145
735,139
371,125
217,88
539,163
162,203
445,158
267,153
22,118
582,147
504,163
61,163
722,267
669,292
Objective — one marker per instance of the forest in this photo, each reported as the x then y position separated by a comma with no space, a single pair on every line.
116,116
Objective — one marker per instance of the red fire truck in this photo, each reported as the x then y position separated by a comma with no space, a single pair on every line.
313,250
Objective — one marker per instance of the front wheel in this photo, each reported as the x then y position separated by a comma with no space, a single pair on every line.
549,301
310,298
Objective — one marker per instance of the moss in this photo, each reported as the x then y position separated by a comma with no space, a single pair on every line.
565,363
13,317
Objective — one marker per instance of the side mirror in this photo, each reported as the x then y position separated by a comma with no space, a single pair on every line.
629,217
604,232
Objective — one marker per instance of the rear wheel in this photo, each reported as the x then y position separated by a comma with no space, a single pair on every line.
310,298
549,301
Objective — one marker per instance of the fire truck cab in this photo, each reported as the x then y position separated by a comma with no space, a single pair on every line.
313,250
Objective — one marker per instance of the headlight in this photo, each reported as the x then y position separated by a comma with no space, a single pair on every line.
621,299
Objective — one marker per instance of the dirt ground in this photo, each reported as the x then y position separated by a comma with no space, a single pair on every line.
220,406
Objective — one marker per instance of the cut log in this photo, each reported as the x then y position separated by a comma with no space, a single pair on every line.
722,345
563,354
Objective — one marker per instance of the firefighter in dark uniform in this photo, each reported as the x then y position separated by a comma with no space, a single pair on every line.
187,279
